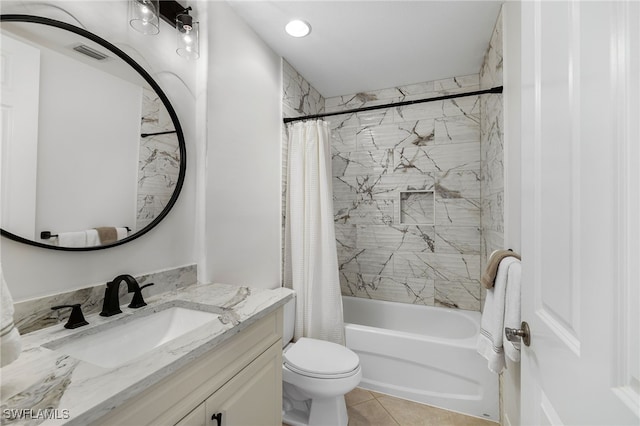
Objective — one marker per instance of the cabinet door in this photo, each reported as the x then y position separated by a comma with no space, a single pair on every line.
253,397
195,418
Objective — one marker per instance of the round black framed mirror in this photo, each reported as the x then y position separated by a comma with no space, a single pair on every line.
92,146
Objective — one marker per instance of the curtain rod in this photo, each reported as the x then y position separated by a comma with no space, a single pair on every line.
146,135
497,89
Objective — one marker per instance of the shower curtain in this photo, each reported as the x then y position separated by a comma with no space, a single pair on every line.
311,261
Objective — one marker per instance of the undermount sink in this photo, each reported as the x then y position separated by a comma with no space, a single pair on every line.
133,338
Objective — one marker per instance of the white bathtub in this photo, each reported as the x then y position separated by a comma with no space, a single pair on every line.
423,354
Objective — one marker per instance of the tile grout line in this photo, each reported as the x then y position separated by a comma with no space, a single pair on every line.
385,408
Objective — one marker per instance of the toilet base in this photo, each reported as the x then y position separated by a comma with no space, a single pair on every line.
328,411
316,412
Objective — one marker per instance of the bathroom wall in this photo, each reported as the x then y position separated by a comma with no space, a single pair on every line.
34,314
225,215
241,163
407,194
511,29
299,99
492,149
68,128
158,160
33,272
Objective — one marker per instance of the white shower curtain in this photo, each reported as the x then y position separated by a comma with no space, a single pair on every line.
311,261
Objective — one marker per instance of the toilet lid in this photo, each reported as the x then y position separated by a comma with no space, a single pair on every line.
319,358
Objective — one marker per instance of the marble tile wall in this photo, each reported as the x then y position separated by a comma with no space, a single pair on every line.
34,314
299,99
158,161
430,150
417,189
491,152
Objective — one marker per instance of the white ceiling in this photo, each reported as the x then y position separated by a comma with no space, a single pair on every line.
356,46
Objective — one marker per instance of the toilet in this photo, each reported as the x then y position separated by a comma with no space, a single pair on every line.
316,375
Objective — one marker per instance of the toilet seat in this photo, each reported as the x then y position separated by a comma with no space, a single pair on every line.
321,359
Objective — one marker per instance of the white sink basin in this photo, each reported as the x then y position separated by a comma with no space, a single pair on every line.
121,343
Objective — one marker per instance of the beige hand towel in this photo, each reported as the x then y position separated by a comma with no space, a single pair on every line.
489,275
107,234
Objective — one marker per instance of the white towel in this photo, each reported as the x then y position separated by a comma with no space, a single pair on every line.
512,317
93,238
490,340
72,239
88,238
121,233
10,343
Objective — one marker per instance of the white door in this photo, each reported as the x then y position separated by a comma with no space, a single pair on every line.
580,204
20,85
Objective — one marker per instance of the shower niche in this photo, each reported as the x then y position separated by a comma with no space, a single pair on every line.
416,207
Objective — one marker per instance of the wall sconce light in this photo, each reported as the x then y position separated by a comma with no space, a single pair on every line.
144,16
188,35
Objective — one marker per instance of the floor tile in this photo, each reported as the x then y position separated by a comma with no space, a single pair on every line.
462,420
369,413
357,396
408,413
368,408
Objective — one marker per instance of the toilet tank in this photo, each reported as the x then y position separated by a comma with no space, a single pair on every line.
289,321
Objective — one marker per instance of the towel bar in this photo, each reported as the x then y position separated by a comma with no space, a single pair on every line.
45,235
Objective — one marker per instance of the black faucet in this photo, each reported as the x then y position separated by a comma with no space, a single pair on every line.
111,304
137,301
76,319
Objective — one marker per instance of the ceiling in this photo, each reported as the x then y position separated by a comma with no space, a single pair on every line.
360,45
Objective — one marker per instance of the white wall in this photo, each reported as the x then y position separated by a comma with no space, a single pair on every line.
512,222
227,219
243,171
19,155
32,272
79,148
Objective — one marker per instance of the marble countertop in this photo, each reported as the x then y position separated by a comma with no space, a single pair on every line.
44,386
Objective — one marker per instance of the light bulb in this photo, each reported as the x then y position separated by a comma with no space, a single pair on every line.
298,28
143,16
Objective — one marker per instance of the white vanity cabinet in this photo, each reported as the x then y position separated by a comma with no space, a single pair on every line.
241,379
248,399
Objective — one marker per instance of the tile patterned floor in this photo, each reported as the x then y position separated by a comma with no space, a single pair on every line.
367,408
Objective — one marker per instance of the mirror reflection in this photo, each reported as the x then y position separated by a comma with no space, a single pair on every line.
90,153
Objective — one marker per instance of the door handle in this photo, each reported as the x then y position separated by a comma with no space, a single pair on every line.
523,332
218,418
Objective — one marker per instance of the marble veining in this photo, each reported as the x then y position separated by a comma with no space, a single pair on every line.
299,98
41,396
34,314
417,207
429,251
158,161
492,148
79,392
406,192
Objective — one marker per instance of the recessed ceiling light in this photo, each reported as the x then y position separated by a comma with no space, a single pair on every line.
298,28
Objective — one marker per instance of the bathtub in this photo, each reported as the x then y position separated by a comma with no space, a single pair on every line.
423,354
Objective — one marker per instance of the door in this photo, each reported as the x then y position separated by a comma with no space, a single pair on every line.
20,85
580,196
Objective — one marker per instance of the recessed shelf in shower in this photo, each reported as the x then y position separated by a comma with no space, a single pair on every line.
417,207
